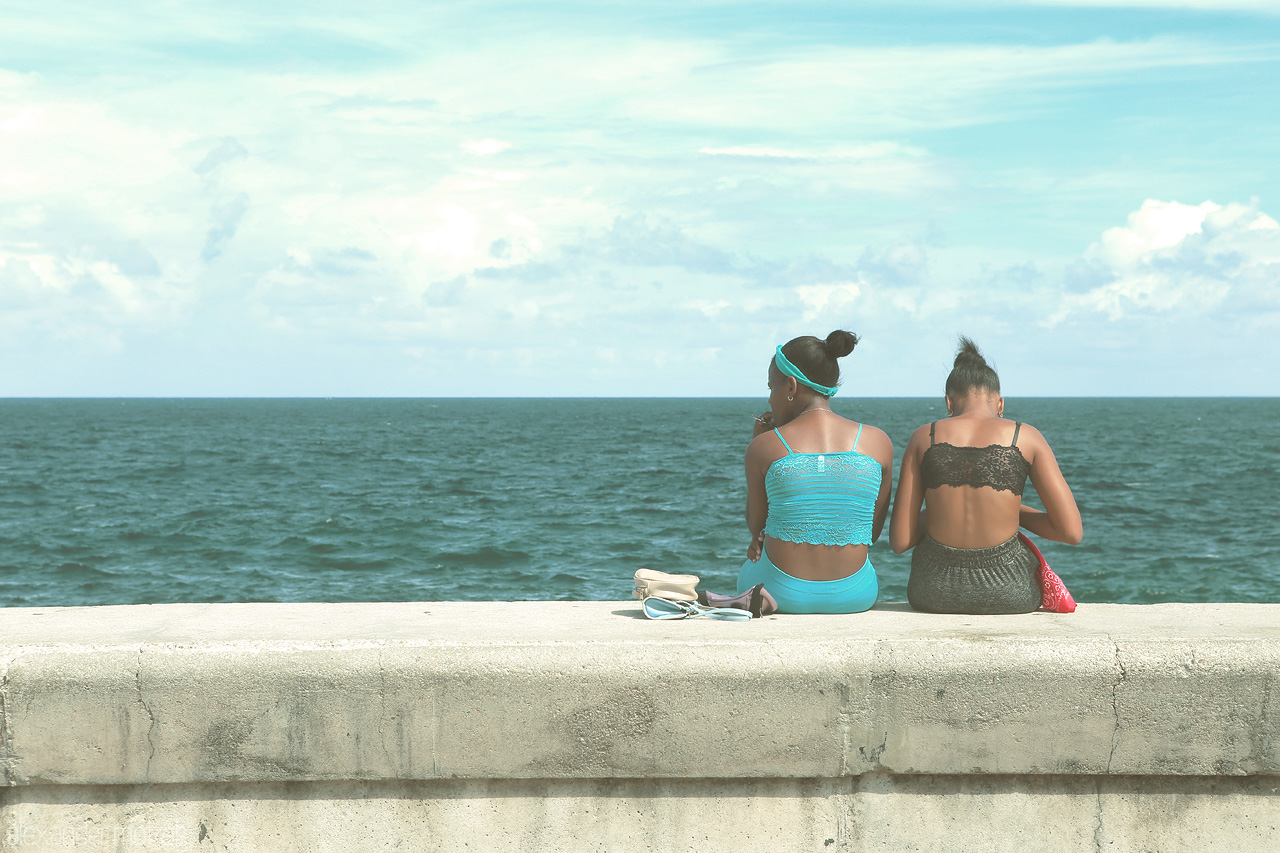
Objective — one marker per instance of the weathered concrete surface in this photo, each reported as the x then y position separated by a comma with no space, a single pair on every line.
208,693
876,813
582,726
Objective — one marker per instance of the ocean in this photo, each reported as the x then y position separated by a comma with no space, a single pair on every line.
132,501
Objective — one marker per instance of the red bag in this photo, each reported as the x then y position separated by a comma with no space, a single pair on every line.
1054,595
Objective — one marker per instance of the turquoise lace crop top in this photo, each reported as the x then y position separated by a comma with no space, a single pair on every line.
822,498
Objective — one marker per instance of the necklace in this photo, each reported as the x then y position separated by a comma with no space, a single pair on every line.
814,409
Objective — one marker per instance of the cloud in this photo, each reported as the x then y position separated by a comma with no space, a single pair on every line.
26,119
590,185
226,218
455,236
224,152
638,240
1264,6
826,300
486,146
844,89
1174,257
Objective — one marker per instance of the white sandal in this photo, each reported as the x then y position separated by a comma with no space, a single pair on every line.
662,608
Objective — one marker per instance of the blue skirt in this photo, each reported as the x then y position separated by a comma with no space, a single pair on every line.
853,594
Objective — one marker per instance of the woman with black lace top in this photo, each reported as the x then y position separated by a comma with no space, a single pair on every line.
959,501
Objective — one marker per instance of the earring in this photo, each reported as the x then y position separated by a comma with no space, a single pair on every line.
790,399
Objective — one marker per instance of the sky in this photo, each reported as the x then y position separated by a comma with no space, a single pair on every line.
558,199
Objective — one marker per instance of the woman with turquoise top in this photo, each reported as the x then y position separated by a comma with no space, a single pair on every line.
817,487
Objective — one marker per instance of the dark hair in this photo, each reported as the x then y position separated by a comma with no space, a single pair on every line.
971,372
816,358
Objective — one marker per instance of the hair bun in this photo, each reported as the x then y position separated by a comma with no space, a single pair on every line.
968,354
840,343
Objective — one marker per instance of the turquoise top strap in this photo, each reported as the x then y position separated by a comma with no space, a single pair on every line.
784,441
858,436
785,365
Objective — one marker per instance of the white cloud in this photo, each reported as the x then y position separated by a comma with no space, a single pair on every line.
1267,6
486,146
754,151
24,120
869,151
837,90
643,188
709,308
456,236
821,300
1155,226
1174,257
883,167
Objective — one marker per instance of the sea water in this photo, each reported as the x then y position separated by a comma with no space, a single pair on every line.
151,500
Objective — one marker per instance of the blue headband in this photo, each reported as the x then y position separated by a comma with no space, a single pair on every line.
794,372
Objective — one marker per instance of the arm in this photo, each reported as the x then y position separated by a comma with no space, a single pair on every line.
908,523
757,500
883,453
1060,519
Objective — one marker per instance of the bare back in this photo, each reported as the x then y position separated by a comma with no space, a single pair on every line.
973,473
816,433
964,510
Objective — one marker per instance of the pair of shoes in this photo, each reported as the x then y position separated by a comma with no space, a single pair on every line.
656,584
757,601
663,608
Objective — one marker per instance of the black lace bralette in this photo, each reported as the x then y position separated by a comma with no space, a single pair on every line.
998,466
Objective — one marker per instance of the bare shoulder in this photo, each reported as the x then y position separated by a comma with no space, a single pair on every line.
1029,434
764,446
1032,443
874,436
919,439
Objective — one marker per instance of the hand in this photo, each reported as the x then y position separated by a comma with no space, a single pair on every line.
756,548
763,424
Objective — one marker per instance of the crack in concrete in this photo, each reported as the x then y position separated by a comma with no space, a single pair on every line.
884,673
435,733
7,758
1260,742
1121,675
873,755
846,729
391,770
151,727
1099,824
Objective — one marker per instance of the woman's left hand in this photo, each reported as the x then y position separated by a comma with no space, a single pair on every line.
763,424
756,548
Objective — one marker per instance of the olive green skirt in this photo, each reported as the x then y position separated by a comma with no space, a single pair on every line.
1004,578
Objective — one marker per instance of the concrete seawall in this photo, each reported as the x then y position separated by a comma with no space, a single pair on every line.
576,726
